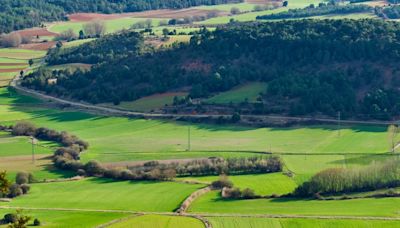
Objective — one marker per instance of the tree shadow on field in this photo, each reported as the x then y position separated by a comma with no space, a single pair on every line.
334,127
366,159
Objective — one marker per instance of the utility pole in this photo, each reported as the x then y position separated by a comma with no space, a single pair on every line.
33,149
189,146
339,118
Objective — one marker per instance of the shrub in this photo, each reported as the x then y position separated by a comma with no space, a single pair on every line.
94,168
15,190
36,222
22,178
25,188
222,183
24,128
248,193
10,218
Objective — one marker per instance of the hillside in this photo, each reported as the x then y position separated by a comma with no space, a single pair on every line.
321,69
20,14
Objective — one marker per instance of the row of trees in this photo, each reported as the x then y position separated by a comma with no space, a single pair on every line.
311,66
347,180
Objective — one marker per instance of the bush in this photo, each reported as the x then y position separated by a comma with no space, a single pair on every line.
25,188
94,168
248,193
24,128
10,218
15,190
222,183
36,222
22,178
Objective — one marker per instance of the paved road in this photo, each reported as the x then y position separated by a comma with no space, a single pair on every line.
112,111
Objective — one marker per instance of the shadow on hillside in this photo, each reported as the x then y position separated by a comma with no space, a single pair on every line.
365,159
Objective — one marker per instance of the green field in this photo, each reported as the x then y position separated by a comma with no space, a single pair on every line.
249,92
107,195
235,222
159,221
67,219
75,43
150,103
11,60
227,7
111,25
213,203
16,146
262,184
20,54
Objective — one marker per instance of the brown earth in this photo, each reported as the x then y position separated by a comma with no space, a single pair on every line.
36,32
12,64
11,70
38,46
165,13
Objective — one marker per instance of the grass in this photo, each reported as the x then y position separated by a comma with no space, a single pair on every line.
149,103
105,194
249,92
76,43
227,7
20,54
225,222
67,219
213,203
16,146
160,221
71,67
262,184
121,139
8,60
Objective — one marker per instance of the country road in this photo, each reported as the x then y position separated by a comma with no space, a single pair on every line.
15,83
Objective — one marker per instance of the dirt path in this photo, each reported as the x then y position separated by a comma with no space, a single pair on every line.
117,112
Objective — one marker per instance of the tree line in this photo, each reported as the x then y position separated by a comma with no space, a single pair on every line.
310,66
347,180
320,10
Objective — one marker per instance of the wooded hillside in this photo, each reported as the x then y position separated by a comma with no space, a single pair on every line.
310,66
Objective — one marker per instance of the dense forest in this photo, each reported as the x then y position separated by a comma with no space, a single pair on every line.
120,45
20,14
311,66
321,9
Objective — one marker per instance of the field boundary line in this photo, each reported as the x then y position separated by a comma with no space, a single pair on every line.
105,225
193,214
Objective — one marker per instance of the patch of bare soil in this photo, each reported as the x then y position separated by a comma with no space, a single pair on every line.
38,46
11,70
36,32
12,64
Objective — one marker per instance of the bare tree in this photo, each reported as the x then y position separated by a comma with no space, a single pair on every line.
393,131
95,28
11,40
68,35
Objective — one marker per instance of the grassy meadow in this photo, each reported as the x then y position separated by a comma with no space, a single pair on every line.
159,221
104,194
262,184
67,219
249,92
235,222
213,203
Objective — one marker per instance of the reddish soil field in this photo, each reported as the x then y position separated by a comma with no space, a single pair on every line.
38,46
12,64
79,17
11,70
36,32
